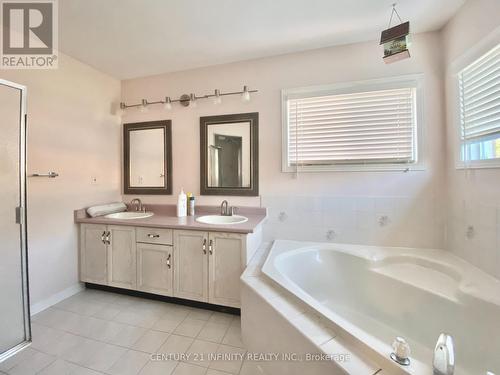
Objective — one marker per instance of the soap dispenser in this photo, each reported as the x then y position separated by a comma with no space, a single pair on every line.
182,204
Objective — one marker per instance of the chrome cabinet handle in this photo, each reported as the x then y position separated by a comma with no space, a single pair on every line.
204,247
211,247
168,261
103,235
153,235
108,238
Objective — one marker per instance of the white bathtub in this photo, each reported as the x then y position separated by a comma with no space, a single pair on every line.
372,294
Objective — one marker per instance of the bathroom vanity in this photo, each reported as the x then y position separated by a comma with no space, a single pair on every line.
170,256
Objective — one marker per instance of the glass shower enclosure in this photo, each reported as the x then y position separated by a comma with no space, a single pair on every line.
15,331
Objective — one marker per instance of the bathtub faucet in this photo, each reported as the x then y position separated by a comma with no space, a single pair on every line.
444,356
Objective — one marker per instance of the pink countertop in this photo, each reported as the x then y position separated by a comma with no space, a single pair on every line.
164,217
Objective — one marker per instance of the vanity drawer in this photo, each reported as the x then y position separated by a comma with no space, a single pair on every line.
154,235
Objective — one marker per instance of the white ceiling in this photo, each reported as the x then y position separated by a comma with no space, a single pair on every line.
134,38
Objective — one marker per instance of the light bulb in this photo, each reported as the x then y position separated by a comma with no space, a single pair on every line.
144,106
217,97
168,103
192,100
245,95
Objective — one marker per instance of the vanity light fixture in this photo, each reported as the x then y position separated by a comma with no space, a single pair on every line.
187,100
168,103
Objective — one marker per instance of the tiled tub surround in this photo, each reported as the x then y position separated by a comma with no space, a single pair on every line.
369,220
96,332
473,232
165,217
431,291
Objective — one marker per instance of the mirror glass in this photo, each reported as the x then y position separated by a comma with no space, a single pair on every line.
228,155
147,157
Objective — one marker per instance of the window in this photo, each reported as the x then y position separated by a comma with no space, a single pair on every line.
357,126
479,88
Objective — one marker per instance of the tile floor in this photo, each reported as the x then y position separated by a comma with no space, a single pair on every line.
96,332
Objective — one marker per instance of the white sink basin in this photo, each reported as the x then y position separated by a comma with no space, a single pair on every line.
221,220
129,215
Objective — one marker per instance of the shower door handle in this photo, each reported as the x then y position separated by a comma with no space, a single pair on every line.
19,215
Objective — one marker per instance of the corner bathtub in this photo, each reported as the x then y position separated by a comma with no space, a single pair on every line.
373,294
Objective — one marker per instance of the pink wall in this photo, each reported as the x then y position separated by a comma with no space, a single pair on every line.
71,131
311,202
474,195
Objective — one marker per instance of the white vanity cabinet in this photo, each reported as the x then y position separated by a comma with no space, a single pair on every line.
93,254
121,256
108,255
196,265
155,261
191,265
226,263
208,266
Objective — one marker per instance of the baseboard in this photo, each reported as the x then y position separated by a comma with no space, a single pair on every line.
157,297
56,298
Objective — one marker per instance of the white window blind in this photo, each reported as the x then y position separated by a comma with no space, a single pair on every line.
479,86
370,127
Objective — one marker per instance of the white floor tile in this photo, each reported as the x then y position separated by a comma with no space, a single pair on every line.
151,341
80,350
61,367
130,363
20,357
190,327
221,318
127,336
232,364
80,305
158,368
251,368
107,312
233,337
145,319
104,357
200,352
213,332
168,323
32,364
176,344
200,314
211,371
188,369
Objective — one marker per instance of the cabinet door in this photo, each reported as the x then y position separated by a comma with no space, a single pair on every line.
155,268
121,257
190,266
225,268
93,254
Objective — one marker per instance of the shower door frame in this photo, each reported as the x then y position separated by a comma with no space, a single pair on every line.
21,220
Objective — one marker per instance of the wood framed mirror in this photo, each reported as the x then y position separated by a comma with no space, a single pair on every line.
229,151
147,157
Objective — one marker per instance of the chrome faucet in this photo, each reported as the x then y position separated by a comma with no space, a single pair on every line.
136,202
224,208
444,356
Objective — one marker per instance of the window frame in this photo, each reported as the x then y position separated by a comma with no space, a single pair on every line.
456,68
411,80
